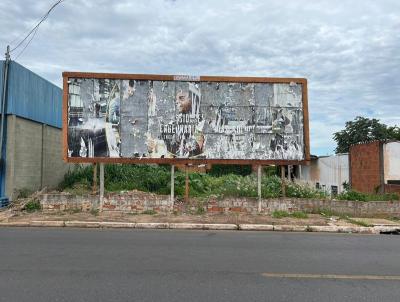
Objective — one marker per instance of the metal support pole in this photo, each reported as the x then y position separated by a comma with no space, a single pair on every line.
186,184
94,188
4,101
101,186
259,187
172,183
283,181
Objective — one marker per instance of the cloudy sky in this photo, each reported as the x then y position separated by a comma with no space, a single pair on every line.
349,50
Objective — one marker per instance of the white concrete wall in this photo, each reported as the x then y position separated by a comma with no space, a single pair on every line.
327,171
391,160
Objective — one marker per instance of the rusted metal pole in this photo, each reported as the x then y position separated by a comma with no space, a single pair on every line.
283,181
94,188
186,184
172,183
259,187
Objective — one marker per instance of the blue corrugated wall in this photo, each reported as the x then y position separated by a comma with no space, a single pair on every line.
31,97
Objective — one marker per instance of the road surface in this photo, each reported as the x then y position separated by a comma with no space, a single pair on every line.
61,264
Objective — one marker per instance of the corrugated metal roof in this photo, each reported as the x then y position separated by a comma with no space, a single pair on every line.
32,97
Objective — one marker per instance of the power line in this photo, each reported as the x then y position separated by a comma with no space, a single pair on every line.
34,30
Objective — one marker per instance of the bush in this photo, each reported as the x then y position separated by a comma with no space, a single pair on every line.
156,179
282,214
358,196
32,206
219,170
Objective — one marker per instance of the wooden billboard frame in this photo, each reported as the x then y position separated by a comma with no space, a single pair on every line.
184,161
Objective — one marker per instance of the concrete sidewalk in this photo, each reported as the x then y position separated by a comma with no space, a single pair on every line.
395,229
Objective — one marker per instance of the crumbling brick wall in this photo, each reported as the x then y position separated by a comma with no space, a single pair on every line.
365,167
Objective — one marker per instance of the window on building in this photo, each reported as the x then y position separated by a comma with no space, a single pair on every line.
317,186
334,190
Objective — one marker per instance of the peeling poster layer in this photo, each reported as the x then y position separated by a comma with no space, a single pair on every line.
185,119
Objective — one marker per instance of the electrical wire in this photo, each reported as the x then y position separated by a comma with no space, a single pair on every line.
34,30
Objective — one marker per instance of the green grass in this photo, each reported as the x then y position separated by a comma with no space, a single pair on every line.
357,222
282,214
358,196
32,206
149,212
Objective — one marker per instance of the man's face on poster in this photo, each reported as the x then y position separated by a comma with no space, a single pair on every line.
183,103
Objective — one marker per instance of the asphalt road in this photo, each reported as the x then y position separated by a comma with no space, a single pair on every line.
42,264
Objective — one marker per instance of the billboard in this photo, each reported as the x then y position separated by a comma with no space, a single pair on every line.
169,119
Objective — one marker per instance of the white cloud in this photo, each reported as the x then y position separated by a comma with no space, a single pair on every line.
347,49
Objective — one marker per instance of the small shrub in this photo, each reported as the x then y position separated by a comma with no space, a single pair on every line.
94,212
299,214
24,193
352,195
149,212
280,214
32,206
358,196
75,210
200,210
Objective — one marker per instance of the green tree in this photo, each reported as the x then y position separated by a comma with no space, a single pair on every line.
363,129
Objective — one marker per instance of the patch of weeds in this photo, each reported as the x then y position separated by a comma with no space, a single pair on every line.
299,214
330,213
200,210
175,212
94,212
149,212
133,213
280,214
24,193
75,211
358,222
32,206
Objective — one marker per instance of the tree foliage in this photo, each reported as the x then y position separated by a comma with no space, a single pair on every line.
363,130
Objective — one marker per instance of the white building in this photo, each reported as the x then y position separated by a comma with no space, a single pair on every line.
326,172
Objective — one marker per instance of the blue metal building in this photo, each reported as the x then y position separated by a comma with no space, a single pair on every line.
29,97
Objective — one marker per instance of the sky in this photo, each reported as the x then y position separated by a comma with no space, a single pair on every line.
349,50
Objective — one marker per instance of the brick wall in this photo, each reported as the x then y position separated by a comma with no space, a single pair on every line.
138,202
365,167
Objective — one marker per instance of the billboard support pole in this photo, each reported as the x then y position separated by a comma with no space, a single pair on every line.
172,182
94,188
101,185
283,181
259,187
186,184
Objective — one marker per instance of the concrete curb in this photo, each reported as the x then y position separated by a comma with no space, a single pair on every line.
205,226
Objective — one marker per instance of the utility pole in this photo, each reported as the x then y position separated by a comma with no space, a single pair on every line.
4,100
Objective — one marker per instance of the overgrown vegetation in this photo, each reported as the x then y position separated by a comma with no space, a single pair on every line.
149,212
283,214
358,196
32,206
156,179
